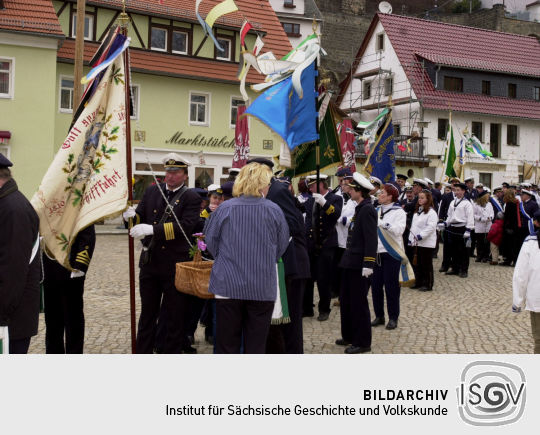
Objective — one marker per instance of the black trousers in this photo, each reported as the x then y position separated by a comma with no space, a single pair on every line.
482,246
321,270
155,284
355,314
289,337
336,273
238,320
447,254
424,267
459,252
19,346
386,274
64,315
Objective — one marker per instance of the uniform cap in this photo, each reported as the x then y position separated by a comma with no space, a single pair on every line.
310,179
262,161
4,162
233,171
215,189
403,177
428,181
358,180
420,182
527,191
469,179
173,162
344,172
375,180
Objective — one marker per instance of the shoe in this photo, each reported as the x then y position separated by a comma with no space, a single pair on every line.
443,269
323,316
424,289
377,321
494,263
392,324
485,260
342,342
357,349
308,314
189,349
416,286
451,272
463,275
478,260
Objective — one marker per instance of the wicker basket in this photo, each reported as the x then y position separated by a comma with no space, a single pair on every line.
193,277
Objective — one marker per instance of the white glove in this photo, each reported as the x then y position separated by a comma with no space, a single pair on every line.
141,230
367,272
384,225
441,226
467,234
77,273
129,213
319,199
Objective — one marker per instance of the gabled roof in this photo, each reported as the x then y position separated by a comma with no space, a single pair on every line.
259,13
459,46
35,16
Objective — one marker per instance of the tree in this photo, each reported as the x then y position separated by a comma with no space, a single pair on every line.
463,6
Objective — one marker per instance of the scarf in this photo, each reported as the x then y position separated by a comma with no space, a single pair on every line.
280,315
406,273
530,224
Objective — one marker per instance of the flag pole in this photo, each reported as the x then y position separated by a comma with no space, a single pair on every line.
79,51
124,21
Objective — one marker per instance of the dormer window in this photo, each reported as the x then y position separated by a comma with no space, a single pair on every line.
226,53
289,4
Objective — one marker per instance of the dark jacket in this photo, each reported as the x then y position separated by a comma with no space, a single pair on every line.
19,279
169,244
446,200
80,256
362,238
327,218
295,258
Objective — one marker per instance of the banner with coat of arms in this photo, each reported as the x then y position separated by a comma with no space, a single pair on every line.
87,180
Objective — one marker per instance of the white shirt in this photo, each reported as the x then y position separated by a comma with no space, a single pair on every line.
483,217
343,229
425,225
526,282
461,213
397,218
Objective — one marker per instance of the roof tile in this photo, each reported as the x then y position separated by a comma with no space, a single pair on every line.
36,16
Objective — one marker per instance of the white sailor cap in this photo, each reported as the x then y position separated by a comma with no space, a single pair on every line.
527,191
407,184
468,179
496,189
215,188
479,185
420,181
526,185
173,161
310,179
233,171
358,180
375,180
488,190
428,181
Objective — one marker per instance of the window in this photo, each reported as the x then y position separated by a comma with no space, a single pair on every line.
366,94
66,94
288,4
478,130
512,90
397,130
495,139
536,93
226,53
135,101
486,87
158,39
388,86
453,84
179,42
512,135
235,102
485,179
198,110
88,26
291,29
380,42
442,128
6,78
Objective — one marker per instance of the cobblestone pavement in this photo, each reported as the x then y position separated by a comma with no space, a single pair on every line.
470,315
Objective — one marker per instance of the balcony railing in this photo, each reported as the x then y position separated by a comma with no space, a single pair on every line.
415,155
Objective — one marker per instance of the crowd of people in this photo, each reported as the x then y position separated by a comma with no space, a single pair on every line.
270,246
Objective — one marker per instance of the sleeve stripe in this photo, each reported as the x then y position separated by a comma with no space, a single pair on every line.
169,231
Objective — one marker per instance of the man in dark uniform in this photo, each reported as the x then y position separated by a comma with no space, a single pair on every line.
323,209
471,193
341,174
529,207
401,181
289,337
20,266
357,266
164,245
63,296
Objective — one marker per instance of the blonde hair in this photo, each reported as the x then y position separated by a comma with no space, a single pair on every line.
482,200
252,179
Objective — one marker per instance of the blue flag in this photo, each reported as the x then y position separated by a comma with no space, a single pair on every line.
282,110
381,162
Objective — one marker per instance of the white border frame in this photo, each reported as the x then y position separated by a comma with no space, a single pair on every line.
208,108
166,39
229,57
187,41
11,93
377,49
233,97
90,26
60,109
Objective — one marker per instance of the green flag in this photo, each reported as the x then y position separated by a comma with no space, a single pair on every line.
305,155
450,156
